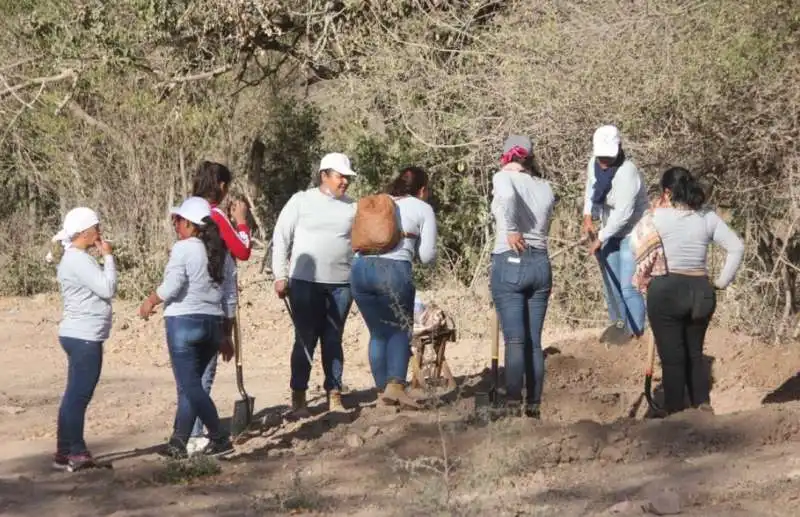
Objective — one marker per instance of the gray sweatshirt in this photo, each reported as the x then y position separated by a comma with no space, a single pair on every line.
521,203
311,240
625,204
187,287
417,217
86,290
685,236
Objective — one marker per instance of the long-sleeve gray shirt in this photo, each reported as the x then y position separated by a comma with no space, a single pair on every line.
311,240
625,203
187,288
87,291
685,236
417,217
521,203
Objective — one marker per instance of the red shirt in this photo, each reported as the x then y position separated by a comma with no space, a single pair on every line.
237,240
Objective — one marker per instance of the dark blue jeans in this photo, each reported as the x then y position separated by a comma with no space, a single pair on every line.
383,290
625,302
207,380
320,312
520,285
193,341
84,362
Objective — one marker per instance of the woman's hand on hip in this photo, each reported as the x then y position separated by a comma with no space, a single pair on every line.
516,242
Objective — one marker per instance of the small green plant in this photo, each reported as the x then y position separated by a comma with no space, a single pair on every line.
183,471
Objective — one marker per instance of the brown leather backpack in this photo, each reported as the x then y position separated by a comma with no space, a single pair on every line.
376,226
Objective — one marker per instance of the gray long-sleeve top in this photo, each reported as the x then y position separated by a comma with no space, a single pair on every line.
625,203
87,291
521,203
417,217
187,288
311,240
685,236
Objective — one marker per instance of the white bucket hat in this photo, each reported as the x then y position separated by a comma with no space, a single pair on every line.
338,162
606,142
193,209
77,220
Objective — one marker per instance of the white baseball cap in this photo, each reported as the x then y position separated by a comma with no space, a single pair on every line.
77,220
338,162
606,142
193,209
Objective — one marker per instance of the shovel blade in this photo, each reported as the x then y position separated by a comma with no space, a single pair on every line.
242,415
616,334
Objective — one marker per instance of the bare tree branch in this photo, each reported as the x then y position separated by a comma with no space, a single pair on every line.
39,81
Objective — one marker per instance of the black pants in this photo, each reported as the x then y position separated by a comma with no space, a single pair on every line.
680,308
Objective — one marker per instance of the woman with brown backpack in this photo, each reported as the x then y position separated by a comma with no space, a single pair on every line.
382,282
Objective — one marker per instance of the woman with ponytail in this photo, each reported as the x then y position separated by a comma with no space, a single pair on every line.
212,182
521,277
194,291
681,299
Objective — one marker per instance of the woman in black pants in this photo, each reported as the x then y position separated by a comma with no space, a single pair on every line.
680,303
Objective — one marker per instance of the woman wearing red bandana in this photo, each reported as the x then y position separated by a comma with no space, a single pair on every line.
521,278
212,182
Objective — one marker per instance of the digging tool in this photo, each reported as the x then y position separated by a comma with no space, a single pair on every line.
648,375
616,333
242,408
488,404
291,316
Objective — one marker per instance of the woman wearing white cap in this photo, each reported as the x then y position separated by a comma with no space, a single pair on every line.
194,292
616,195
311,260
86,290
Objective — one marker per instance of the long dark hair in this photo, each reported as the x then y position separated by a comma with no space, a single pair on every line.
409,182
684,187
215,249
207,179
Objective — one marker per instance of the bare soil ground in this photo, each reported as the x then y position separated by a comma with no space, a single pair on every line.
592,453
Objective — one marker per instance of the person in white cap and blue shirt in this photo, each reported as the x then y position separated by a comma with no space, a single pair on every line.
311,261
616,195
195,291
86,290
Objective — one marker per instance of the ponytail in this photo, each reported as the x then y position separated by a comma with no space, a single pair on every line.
685,189
215,249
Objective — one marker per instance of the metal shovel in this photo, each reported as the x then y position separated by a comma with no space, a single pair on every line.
242,408
616,333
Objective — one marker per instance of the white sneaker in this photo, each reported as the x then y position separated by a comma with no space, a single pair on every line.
196,444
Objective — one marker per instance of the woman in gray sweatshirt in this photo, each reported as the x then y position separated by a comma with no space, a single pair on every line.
521,277
311,260
86,290
681,303
195,291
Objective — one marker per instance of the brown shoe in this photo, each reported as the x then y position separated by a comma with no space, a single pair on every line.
335,401
299,405
395,394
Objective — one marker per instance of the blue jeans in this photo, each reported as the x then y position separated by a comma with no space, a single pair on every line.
320,312
84,362
193,341
625,302
384,293
207,380
520,285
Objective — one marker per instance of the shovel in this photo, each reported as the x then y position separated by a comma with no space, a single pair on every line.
616,333
648,377
242,408
488,404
